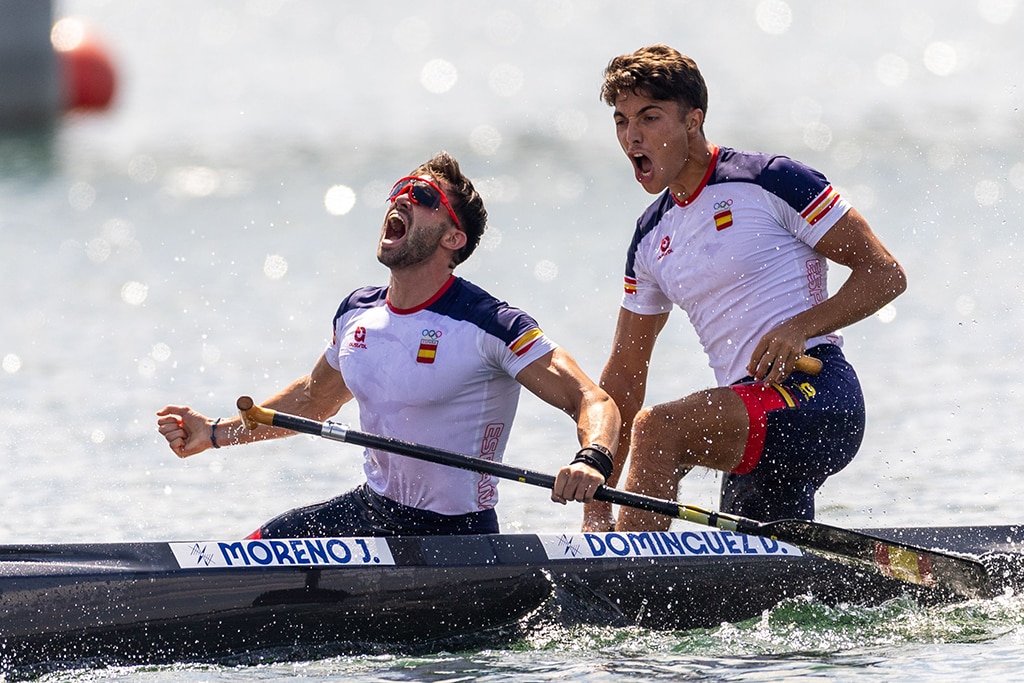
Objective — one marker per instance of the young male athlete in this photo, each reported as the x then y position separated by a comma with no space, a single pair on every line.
740,241
433,359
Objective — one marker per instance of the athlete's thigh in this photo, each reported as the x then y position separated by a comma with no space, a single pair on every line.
341,516
707,428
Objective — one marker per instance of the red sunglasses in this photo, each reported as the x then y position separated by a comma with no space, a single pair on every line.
422,191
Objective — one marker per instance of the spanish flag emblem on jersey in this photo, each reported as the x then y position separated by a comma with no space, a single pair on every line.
821,205
427,351
524,341
723,219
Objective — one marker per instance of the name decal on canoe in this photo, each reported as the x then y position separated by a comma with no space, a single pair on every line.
661,543
284,552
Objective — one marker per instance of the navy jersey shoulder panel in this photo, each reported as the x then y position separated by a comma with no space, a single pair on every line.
644,225
365,297
467,302
795,183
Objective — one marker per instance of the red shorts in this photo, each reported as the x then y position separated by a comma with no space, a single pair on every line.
800,434
760,399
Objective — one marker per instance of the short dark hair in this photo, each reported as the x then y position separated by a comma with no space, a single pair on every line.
466,202
659,72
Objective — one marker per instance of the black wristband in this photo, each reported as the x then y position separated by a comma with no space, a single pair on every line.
213,434
598,457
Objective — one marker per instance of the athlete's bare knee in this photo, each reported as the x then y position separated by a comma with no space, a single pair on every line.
648,430
654,460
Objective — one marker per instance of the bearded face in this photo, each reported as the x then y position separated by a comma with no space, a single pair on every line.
404,242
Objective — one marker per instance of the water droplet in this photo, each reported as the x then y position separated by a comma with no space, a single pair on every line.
275,266
545,270
892,70
940,58
774,16
438,76
339,200
485,140
134,293
11,363
506,80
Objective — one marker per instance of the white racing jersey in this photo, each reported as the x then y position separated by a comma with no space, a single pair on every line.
737,255
443,375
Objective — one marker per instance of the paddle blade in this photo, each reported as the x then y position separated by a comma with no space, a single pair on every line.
936,569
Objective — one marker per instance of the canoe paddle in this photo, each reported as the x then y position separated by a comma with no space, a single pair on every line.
963,576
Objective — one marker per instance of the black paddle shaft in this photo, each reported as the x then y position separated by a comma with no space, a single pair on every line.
933,568
440,456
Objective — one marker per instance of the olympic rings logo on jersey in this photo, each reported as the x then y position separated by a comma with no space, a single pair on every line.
431,334
723,205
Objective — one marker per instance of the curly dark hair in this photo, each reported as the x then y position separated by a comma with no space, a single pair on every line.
466,202
659,72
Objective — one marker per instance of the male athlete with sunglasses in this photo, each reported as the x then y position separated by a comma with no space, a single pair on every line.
433,359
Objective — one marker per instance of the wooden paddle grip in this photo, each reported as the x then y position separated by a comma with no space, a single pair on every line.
253,415
808,364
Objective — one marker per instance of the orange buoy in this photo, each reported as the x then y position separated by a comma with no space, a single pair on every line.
89,79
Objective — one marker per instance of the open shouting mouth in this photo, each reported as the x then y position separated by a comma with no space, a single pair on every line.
395,228
643,166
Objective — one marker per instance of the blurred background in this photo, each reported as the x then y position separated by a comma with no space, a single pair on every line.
204,181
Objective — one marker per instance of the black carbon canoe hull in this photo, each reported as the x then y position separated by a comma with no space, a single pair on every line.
163,602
